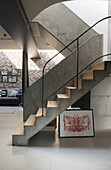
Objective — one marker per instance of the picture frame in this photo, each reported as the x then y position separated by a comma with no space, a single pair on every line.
76,123
16,72
12,79
4,72
4,79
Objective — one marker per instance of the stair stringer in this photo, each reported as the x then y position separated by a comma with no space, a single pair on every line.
52,113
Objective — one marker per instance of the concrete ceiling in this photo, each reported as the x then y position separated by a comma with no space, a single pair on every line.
34,7
6,41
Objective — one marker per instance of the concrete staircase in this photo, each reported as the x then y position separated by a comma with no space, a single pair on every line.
56,20
36,122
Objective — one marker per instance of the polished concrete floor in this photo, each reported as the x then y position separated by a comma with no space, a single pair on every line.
47,151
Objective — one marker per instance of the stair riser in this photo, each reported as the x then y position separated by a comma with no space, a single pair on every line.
68,92
88,75
100,67
79,84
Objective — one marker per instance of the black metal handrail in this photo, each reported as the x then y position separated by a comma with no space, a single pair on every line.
77,39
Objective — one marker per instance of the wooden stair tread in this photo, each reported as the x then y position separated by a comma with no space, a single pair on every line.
99,66
19,130
39,112
52,104
63,96
71,88
30,121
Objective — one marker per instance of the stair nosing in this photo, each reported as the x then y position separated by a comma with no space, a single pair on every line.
40,109
19,134
52,106
27,121
67,97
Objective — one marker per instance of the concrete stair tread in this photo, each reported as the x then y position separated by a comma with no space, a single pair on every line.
39,112
19,130
52,104
63,96
99,66
30,121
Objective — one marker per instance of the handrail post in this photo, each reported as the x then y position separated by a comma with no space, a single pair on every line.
43,92
77,61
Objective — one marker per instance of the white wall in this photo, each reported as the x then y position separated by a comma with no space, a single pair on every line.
91,11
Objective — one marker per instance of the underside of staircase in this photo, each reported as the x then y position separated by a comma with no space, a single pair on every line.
37,122
58,32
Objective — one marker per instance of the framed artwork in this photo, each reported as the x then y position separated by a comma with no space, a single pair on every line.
4,72
12,79
4,79
76,123
16,72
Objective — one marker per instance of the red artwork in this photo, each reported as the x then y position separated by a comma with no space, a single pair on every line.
77,123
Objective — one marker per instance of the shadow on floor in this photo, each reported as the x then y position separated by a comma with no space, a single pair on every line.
51,139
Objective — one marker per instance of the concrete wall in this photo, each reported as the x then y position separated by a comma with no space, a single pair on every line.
101,94
101,98
91,12
109,28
